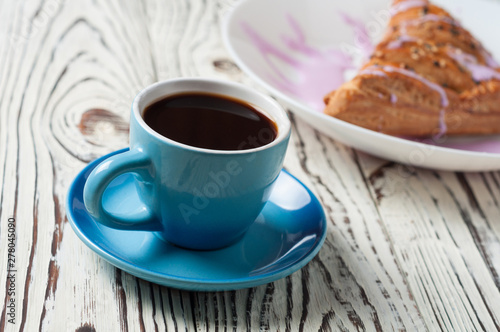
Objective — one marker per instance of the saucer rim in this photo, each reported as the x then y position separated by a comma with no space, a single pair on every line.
187,283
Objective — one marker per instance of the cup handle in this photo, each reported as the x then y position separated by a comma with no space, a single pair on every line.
132,161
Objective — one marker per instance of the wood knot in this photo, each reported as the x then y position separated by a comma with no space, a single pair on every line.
227,66
98,125
86,328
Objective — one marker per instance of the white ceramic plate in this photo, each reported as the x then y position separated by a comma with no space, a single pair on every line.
300,50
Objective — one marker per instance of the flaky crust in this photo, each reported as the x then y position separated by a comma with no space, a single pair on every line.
428,76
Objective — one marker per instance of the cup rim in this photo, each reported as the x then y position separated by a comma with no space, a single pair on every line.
280,117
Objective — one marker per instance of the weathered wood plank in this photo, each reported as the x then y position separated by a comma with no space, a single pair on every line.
372,289
433,220
407,249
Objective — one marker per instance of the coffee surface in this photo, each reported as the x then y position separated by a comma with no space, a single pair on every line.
210,121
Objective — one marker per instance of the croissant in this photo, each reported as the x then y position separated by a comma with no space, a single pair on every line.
428,76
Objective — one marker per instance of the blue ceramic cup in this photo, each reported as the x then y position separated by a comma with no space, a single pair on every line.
192,197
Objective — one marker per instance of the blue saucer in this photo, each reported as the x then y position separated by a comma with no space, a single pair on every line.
287,234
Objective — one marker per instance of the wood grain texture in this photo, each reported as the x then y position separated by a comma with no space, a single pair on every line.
407,249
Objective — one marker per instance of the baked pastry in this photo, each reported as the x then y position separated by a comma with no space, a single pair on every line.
428,76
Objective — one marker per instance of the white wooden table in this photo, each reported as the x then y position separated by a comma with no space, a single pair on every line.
407,249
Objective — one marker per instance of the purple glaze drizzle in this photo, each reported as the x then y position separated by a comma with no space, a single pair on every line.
432,18
442,125
394,98
297,41
314,72
427,18
404,6
362,38
266,49
369,71
399,42
489,59
488,145
479,72
478,144
433,86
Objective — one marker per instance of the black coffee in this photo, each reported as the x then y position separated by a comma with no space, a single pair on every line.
210,121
